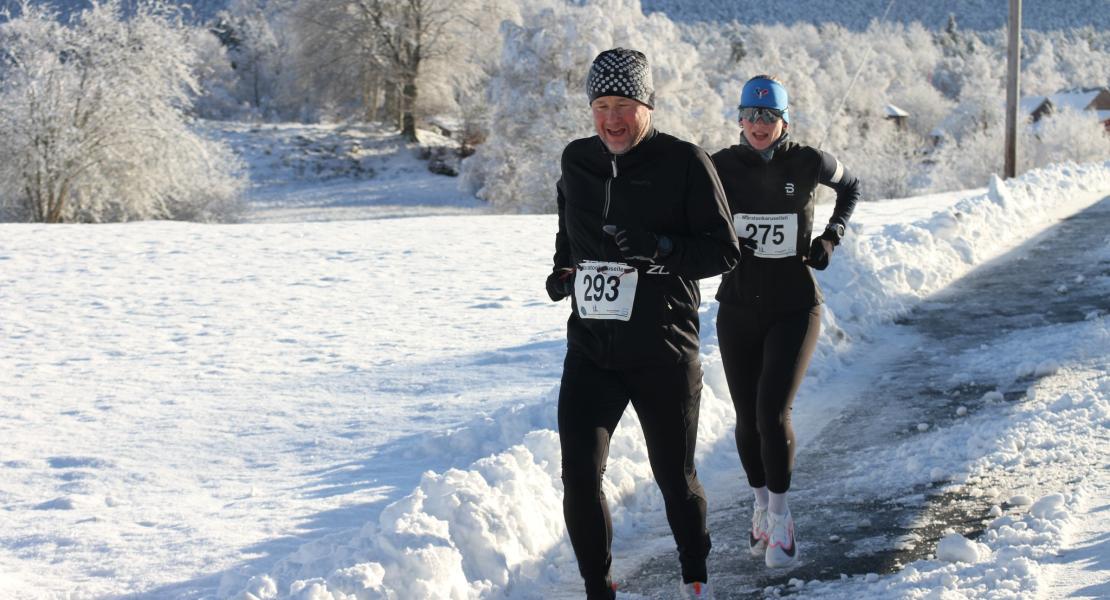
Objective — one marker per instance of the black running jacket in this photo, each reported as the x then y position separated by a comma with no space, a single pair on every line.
761,195
668,187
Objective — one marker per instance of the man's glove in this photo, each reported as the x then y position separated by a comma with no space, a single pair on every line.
560,284
748,246
636,243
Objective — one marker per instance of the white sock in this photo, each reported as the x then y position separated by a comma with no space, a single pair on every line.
761,496
777,503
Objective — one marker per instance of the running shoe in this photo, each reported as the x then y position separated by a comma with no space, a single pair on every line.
757,537
695,591
610,594
782,549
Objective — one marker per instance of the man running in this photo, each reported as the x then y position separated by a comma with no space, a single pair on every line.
642,216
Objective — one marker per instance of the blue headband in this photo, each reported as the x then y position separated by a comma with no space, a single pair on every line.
765,93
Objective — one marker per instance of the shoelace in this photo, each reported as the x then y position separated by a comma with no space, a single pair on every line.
759,524
781,534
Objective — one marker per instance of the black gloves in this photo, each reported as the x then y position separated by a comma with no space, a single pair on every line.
818,258
818,255
748,246
560,284
639,244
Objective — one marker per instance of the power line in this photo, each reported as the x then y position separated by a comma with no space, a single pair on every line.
863,63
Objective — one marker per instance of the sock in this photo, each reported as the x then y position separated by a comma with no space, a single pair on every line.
761,496
777,503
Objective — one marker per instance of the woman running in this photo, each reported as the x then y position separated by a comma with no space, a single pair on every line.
770,313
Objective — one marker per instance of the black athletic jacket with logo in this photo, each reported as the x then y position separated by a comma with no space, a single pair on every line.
784,185
668,187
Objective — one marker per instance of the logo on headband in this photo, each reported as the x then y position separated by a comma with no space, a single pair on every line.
761,92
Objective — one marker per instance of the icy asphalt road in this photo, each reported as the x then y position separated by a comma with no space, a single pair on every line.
850,527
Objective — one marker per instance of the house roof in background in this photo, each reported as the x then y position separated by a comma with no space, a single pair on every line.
1075,100
894,111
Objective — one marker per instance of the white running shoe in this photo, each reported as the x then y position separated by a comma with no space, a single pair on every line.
695,591
757,537
782,549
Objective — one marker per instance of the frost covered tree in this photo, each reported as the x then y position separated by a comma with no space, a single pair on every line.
1082,56
454,86
334,57
1067,134
94,125
840,82
255,49
407,32
538,99
1039,71
374,54
887,160
971,141
216,79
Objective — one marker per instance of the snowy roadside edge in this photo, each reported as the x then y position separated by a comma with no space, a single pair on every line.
1014,556
887,272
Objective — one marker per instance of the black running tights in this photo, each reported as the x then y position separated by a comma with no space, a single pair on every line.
765,357
591,402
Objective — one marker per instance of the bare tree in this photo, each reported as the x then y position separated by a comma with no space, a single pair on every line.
336,59
408,32
383,44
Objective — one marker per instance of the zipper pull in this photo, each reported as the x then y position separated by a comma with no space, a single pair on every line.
614,167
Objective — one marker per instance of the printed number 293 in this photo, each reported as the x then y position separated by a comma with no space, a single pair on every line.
596,287
775,231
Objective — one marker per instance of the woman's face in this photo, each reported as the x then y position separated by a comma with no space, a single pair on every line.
761,134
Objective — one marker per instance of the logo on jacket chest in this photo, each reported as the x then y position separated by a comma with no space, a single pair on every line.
790,189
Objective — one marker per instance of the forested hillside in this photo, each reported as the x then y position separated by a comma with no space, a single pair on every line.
977,15
980,15
503,80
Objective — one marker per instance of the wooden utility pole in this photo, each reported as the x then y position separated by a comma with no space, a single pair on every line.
1013,70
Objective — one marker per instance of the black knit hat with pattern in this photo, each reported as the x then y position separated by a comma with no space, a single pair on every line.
621,72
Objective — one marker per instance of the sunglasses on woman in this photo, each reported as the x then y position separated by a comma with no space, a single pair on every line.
755,114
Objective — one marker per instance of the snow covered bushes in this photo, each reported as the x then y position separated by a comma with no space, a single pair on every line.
840,83
94,124
970,155
1066,135
538,95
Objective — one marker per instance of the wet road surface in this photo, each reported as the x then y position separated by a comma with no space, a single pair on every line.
850,529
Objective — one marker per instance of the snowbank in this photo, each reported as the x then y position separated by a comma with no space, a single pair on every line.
882,272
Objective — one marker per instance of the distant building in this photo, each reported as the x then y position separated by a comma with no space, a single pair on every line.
899,116
1095,99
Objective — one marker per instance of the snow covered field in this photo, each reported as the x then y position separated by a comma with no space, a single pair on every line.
366,408
334,173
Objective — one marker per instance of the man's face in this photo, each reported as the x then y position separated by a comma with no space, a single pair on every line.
620,122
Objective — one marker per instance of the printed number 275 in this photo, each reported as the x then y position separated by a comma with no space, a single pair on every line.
775,231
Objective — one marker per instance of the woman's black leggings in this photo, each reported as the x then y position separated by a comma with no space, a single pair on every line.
765,356
591,402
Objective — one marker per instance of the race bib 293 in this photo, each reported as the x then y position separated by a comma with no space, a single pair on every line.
605,290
